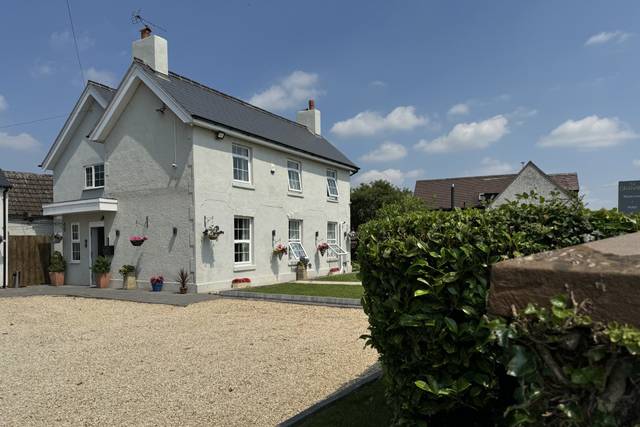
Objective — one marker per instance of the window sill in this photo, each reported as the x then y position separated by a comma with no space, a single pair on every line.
295,194
246,267
93,188
332,200
243,185
74,262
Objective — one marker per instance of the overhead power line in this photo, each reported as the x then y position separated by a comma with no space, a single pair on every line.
75,42
32,121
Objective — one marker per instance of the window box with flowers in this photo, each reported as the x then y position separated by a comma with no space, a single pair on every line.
240,282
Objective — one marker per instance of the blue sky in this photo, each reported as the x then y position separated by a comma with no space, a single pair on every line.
407,90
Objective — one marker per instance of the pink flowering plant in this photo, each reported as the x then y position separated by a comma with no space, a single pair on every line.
322,247
137,240
157,280
280,249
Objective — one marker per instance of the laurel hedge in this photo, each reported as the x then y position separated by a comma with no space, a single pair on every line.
425,276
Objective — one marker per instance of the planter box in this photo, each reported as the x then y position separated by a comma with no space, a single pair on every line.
102,280
56,278
301,273
129,282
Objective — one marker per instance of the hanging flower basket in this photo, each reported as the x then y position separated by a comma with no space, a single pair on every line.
56,238
212,232
323,247
137,240
279,250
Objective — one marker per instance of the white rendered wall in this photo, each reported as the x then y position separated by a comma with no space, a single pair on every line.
140,151
529,179
269,203
3,214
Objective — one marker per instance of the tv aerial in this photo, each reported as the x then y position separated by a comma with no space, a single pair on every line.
136,18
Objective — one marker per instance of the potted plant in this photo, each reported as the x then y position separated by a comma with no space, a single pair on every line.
57,266
128,273
322,248
279,250
301,268
56,238
137,240
102,269
183,279
156,283
212,232
240,282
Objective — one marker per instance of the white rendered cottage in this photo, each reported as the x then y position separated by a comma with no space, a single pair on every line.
166,157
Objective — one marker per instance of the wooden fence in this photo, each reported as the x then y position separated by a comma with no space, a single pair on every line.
30,256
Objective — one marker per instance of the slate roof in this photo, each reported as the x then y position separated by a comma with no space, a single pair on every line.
106,91
437,192
29,191
4,183
210,105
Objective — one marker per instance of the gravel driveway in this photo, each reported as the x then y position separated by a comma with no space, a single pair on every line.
75,361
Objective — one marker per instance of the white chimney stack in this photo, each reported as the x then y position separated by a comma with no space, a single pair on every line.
310,118
152,50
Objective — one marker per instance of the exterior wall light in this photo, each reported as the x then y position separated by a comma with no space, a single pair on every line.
220,135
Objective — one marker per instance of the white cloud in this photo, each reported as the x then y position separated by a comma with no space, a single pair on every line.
42,69
64,39
589,133
607,37
3,104
394,176
378,83
369,123
636,162
101,76
459,110
467,136
22,141
289,92
387,151
491,166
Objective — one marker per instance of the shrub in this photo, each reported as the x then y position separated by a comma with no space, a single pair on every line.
425,276
57,264
127,270
101,265
571,371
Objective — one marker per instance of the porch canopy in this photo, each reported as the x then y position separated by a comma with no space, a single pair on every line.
99,204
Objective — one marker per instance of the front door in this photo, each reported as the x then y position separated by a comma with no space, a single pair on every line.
97,247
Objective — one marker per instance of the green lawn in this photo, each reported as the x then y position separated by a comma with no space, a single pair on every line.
320,290
365,407
347,277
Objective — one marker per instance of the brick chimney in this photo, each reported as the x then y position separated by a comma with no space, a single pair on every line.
152,50
310,118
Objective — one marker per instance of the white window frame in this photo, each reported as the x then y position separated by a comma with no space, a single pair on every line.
76,240
243,157
242,241
297,170
334,240
332,175
292,256
92,168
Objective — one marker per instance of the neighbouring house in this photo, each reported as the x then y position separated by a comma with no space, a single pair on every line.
28,231
494,190
213,183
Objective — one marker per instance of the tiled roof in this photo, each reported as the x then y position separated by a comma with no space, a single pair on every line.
205,103
4,183
29,191
437,192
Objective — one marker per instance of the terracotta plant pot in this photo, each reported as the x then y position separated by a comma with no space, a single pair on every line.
56,278
129,282
102,281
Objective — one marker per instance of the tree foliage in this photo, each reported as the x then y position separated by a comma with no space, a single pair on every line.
367,199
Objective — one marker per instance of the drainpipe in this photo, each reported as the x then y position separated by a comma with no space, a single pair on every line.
5,267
